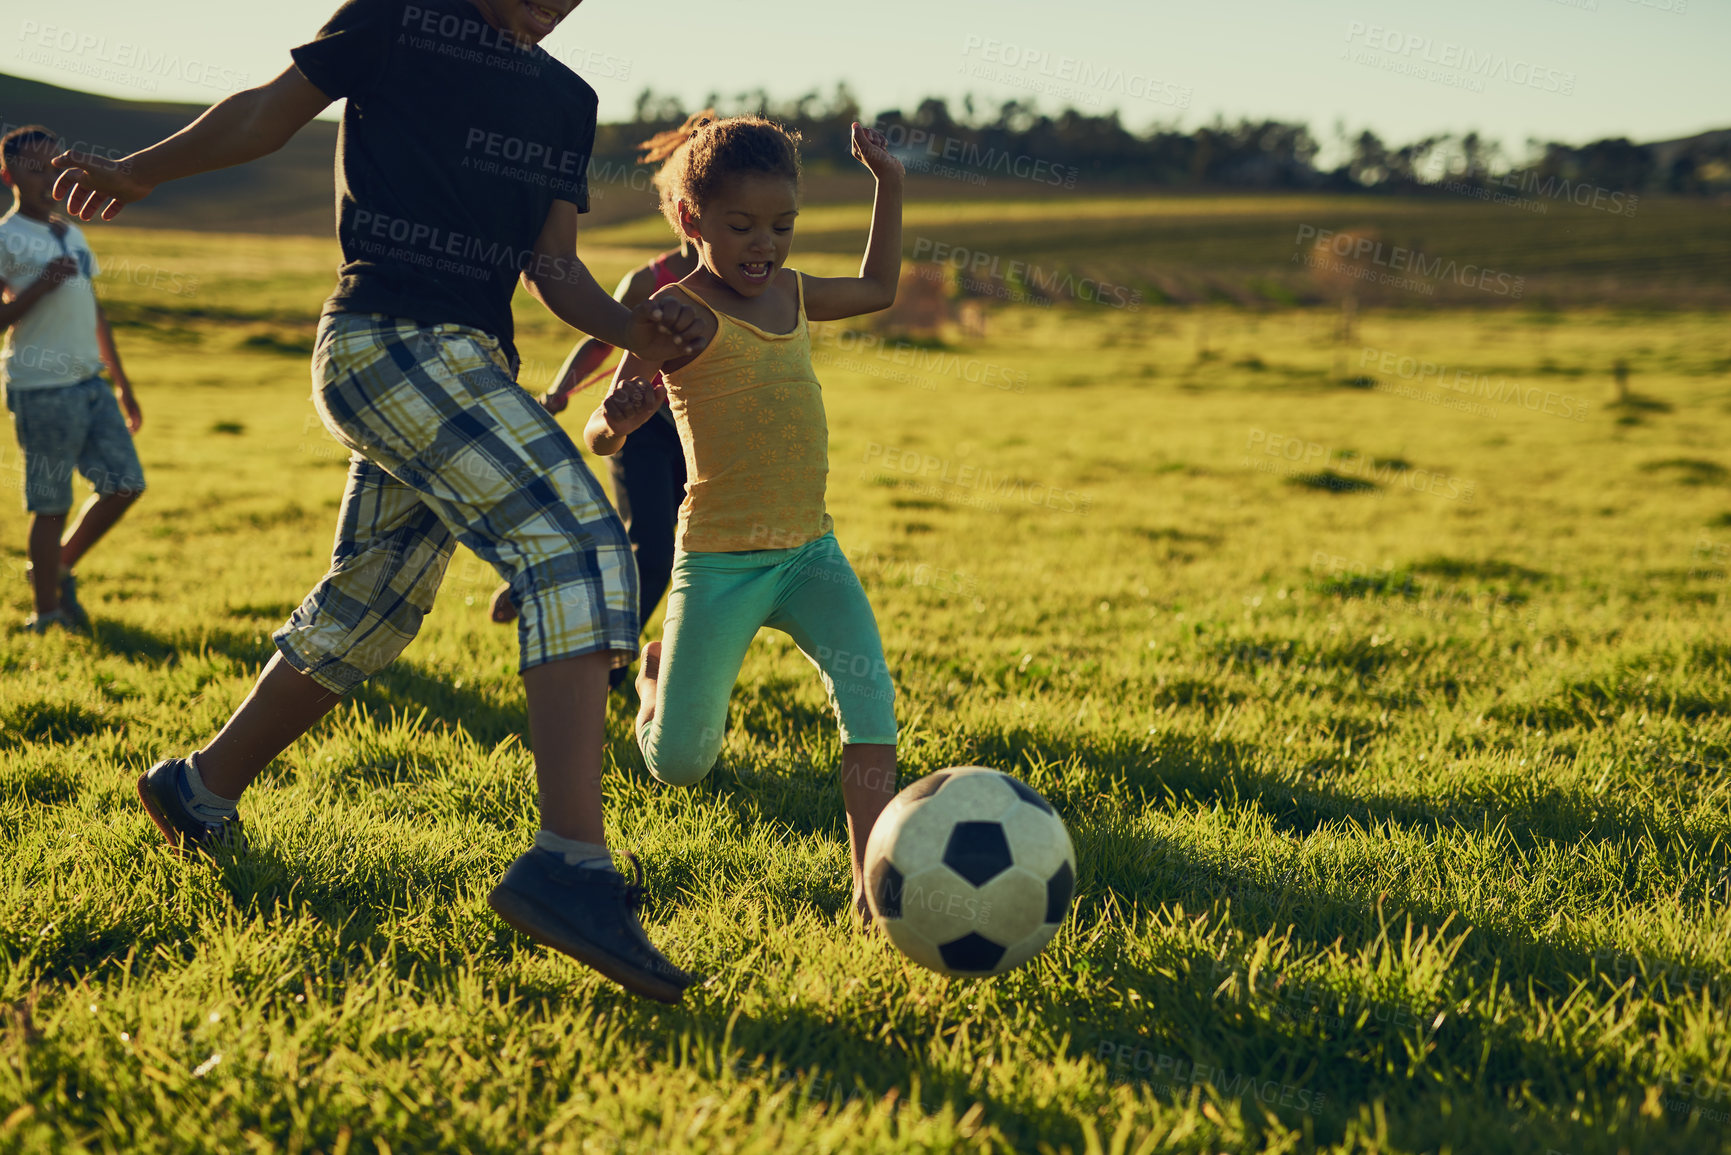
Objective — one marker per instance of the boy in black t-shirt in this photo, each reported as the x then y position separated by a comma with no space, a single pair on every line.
461,166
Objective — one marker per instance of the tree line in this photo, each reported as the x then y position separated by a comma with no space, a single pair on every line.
1018,139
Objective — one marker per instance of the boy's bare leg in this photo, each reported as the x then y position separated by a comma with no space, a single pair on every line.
568,728
868,782
283,705
95,519
45,531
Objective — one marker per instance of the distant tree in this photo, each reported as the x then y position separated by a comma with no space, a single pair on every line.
1369,163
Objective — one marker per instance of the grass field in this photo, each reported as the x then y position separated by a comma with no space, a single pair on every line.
1387,705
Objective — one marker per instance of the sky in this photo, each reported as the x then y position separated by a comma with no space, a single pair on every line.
1513,70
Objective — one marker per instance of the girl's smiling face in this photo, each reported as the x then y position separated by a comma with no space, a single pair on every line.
745,231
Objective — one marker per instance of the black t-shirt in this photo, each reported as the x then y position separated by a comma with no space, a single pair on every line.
457,139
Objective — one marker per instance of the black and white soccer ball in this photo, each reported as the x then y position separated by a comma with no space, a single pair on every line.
969,871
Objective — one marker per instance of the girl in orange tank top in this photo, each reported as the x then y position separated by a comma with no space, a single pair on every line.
755,545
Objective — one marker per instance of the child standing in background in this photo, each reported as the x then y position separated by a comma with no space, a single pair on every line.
65,414
755,545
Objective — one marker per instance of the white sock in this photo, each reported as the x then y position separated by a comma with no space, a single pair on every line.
201,799
576,852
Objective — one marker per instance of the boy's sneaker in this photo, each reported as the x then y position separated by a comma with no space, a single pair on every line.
42,623
590,915
159,790
69,600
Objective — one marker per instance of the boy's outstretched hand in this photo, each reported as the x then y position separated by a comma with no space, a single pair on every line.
89,184
872,150
630,403
666,330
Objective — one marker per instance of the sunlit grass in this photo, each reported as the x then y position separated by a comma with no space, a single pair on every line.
1401,813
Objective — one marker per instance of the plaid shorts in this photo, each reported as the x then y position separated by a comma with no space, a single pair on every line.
446,448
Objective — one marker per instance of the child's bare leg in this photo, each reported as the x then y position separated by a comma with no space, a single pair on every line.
568,727
45,530
95,519
283,705
649,672
868,782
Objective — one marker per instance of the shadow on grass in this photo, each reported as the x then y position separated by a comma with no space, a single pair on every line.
821,1059
1201,1021
403,685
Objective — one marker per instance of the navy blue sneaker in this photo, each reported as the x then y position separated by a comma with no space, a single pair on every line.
160,789
590,915
69,600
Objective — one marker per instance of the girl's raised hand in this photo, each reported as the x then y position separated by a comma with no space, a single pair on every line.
631,402
872,150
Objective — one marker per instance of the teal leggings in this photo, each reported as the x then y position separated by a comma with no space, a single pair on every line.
717,603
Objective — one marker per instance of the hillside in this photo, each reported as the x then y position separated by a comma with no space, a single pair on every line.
289,192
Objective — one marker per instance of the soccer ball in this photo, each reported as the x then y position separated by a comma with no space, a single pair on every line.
969,871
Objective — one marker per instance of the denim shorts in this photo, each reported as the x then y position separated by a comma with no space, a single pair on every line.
67,427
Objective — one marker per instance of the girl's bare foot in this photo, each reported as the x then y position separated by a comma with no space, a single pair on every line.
504,605
648,672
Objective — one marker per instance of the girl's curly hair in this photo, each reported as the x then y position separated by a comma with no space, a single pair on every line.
699,156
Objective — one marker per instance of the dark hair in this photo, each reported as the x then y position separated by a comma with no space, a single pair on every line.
700,156
20,139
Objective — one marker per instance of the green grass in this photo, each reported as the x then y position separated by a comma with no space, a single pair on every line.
1400,805
1671,252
